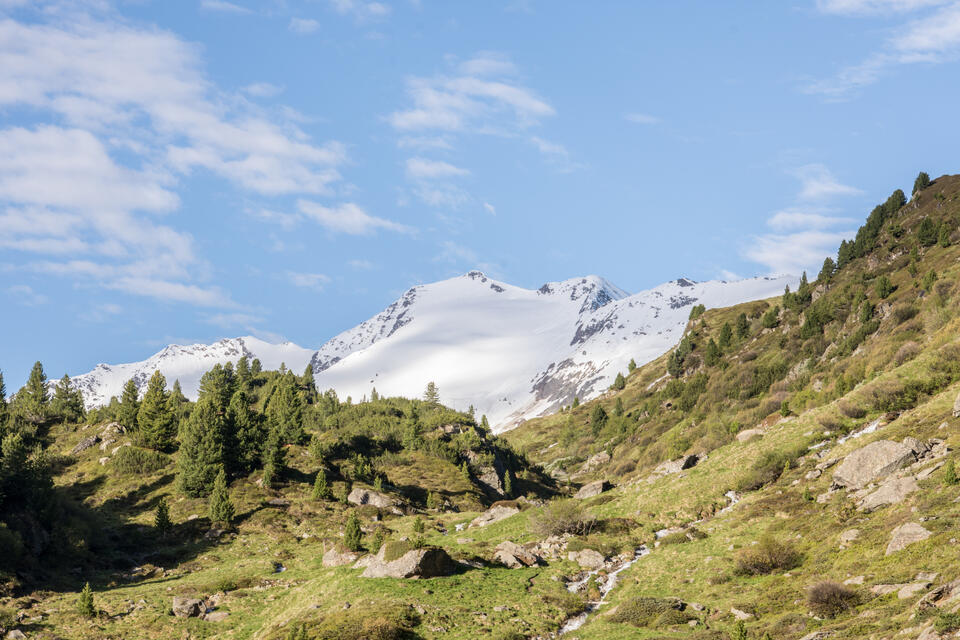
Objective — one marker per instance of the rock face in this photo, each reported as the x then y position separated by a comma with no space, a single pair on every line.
417,563
892,491
85,444
944,596
336,558
187,607
905,535
365,496
871,463
587,558
592,489
494,514
678,465
512,555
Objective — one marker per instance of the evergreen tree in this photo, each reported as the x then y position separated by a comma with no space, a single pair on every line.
256,367
201,449
950,474
770,319
576,402
353,535
246,435
484,423
631,366
34,397
221,509
218,385
743,326
161,520
618,407
310,385
67,403
243,374
85,605
4,411
711,355
129,405
320,489
726,336
598,418
922,182
827,270
273,458
507,484
375,397
927,232
943,239
285,411
620,382
432,394
157,424
883,287
176,402
739,631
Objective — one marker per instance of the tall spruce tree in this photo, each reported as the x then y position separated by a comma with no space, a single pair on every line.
201,448
129,405
743,326
246,436
221,509
310,385
726,336
161,519
922,182
218,384
34,398
285,410
176,402
67,402
431,394
243,374
157,423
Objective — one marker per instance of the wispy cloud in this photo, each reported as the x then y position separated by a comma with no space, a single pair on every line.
802,219
315,281
262,90
489,208
222,5
862,7
818,183
25,295
303,26
361,265
425,169
361,10
641,118
556,154
348,218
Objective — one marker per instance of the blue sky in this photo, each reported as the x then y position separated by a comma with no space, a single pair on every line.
191,170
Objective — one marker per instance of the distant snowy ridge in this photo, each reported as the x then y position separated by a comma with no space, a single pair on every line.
511,353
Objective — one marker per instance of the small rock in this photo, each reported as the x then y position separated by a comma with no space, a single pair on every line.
336,558
512,555
749,434
594,461
83,445
926,576
906,534
278,502
849,535
892,491
216,616
856,580
104,460
740,615
909,591
494,514
592,489
187,607
587,558
365,496
816,635
16,634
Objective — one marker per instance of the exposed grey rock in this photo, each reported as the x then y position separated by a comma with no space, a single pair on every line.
943,596
871,463
336,558
849,535
910,590
748,434
587,558
856,580
905,535
85,444
417,563
892,491
512,555
740,615
15,634
187,607
817,635
278,502
365,496
592,489
678,465
494,514
595,461
216,616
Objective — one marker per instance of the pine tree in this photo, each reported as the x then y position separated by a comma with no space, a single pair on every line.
922,182
85,605
507,484
218,384
431,395
770,319
67,403
129,405
950,474
285,411
242,373
711,354
943,239
883,287
927,232
161,520
632,365
273,458
827,270
176,402
246,436
484,423
576,402
619,382
34,395
743,326
618,407
598,418
156,422
375,397
310,385
353,535
256,367
201,449
221,509
320,489
726,336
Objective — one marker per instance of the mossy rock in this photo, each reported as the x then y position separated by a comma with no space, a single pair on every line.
395,549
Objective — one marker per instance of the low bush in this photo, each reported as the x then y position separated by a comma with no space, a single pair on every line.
137,461
642,612
830,599
768,468
907,351
766,556
851,410
903,312
946,622
675,538
562,516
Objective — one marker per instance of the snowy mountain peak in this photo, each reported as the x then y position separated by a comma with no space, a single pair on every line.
594,291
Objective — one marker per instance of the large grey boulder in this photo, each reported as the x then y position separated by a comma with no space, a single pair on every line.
187,607
365,496
892,491
512,555
905,535
417,563
592,489
871,463
678,465
494,514
85,444
336,558
587,558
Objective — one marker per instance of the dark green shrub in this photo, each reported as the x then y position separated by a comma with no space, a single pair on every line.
946,622
675,538
562,516
137,461
767,468
642,612
766,556
830,599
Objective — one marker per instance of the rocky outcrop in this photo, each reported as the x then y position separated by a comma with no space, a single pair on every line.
891,491
495,513
85,444
337,558
749,434
871,463
592,489
595,461
188,607
678,465
587,558
416,563
365,496
512,555
944,596
905,535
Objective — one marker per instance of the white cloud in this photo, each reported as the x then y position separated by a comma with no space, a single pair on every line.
818,183
303,25
641,118
938,33
489,208
426,169
801,219
262,90
794,252
488,63
442,196
424,142
361,10
315,281
361,265
286,221
222,5
347,218
556,154
26,296
455,253
854,7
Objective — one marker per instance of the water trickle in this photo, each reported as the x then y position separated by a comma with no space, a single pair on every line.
576,622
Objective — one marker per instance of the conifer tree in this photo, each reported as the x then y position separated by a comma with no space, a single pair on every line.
218,385
320,489
201,449
67,403
353,535
944,238
431,395
35,398
221,509
827,270
176,402
273,459
161,520
922,182
619,382
598,418
507,484
243,374
726,336
743,326
632,365
927,232
618,407
4,411
129,405
485,423
246,436
576,402
310,385
950,474
85,605
256,367
285,411
156,423
711,354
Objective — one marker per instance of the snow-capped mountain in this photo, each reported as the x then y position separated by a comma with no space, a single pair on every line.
511,353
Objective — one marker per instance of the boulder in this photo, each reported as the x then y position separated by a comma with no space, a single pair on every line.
910,590
591,489
905,535
336,558
678,465
416,563
187,607
587,558
944,595
749,434
871,463
85,444
817,635
512,555
15,634
216,616
490,478
892,491
849,535
494,514
595,461
956,407
366,496
740,615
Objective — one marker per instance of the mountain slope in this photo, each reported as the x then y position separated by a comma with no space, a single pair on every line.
511,353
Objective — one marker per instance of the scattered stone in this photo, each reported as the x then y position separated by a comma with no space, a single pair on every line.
849,535
494,514
279,502
740,615
856,580
104,460
592,489
513,556
16,634
417,563
85,444
216,616
595,461
909,591
678,465
365,496
926,576
905,535
816,635
813,474
749,434
892,491
871,463
944,595
336,558
956,407
587,558
929,471
187,607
